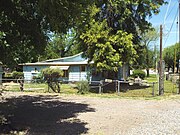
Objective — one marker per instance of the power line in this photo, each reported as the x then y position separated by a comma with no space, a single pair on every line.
165,17
171,27
174,5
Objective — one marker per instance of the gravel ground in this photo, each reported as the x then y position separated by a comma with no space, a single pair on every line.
67,115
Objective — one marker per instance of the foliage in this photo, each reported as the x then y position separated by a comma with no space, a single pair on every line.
51,75
17,75
25,25
169,56
83,87
106,50
22,32
60,45
7,75
139,73
111,32
147,58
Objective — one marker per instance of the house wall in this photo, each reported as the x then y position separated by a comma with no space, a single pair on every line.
75,73
30,71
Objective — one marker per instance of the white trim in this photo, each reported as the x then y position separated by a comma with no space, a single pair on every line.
56,63
60,67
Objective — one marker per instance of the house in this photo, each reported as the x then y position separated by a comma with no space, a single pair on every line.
76,68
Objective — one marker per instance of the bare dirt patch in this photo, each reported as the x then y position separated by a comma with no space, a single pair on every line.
41,114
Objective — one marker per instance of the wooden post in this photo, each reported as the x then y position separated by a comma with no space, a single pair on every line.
161,75
100,86
118,87
153,89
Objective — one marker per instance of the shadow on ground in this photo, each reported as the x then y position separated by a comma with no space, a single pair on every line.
42,115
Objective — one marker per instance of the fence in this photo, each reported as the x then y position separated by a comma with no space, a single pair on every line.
121,88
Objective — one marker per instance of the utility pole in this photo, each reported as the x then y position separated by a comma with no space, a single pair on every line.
161,75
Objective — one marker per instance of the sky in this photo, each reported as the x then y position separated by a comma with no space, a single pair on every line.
168,18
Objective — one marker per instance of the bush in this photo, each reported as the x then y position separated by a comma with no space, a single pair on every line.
17,75
83,87
7,75
139,73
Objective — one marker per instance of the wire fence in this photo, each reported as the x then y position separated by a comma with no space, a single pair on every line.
122,88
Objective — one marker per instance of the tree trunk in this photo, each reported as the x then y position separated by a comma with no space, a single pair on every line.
147,62
147,71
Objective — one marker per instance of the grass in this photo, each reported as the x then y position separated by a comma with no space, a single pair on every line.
170,90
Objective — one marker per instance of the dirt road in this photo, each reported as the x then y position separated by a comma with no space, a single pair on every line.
50,114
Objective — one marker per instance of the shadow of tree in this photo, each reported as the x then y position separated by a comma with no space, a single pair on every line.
42,115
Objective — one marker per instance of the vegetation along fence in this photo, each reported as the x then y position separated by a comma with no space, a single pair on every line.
121,88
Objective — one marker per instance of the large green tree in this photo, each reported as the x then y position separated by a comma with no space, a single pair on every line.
108,50
120,19
25,24
23,31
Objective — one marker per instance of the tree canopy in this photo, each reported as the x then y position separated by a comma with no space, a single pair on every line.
25,25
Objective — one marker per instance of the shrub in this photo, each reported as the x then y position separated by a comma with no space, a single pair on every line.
139,73
83,87
51,75
7,75
17,75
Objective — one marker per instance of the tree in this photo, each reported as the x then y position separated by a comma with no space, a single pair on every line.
51,75
113,29
147,40
24,26
169,55
60,45
22,30
108,51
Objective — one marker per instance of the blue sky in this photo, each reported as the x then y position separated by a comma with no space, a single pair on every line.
168,18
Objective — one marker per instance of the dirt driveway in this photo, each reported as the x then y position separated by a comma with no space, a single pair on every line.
50,114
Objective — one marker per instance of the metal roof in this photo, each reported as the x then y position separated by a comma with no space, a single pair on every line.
55,63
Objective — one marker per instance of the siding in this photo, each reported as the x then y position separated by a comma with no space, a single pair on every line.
29,71
76,75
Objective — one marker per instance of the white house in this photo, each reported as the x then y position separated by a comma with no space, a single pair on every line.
76,68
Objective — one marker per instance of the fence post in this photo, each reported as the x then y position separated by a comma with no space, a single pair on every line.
118,87
100,86
153,89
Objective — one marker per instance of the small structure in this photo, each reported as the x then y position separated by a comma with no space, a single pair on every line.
75,68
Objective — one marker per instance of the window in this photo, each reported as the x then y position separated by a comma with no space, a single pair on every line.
83,68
